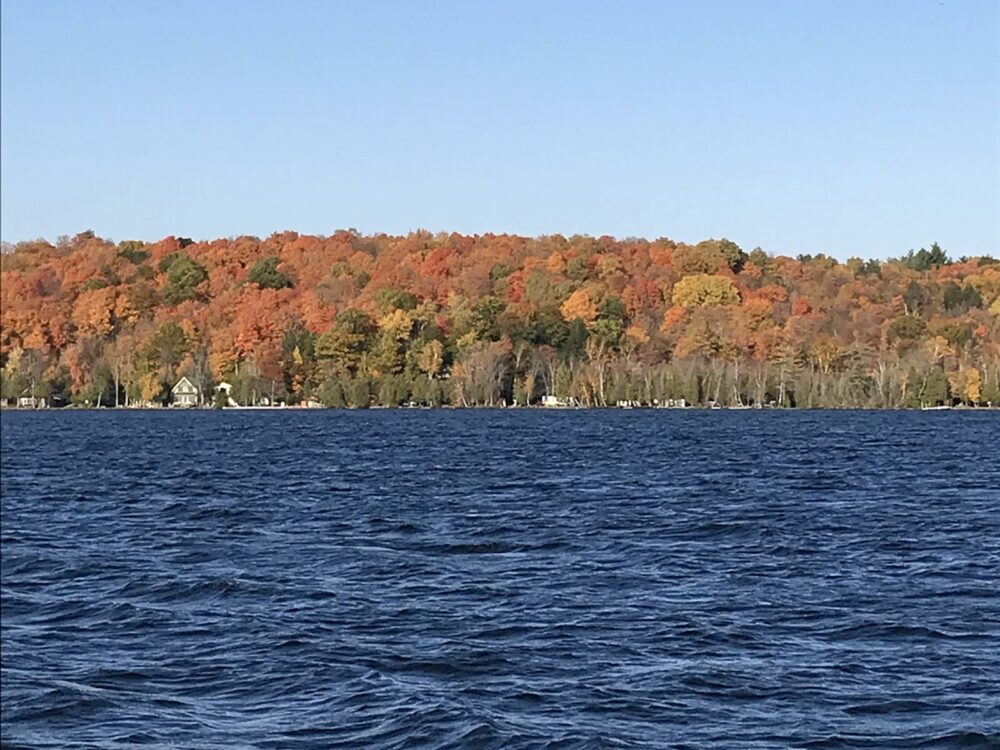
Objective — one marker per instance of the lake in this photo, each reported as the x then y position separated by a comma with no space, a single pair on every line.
501,579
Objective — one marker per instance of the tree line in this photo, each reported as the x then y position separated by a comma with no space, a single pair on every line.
449,319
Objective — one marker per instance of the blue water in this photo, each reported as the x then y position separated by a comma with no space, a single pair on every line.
440,579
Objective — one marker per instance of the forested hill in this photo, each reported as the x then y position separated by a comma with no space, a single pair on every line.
472,320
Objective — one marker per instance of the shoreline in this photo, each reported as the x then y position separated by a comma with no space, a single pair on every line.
196,409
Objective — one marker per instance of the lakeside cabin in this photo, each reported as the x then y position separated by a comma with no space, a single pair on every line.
185,393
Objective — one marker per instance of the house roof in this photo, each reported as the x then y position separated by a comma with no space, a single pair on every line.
183,385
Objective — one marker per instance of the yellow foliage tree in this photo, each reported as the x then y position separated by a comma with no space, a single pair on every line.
973,385
431,358
396,323
968,383
579,306
607,265
389,352
150,386
705,289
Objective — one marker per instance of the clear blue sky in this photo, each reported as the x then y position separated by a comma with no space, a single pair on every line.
851,128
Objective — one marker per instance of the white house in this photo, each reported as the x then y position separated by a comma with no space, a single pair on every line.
185,393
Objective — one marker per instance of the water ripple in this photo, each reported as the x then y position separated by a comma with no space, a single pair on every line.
500,580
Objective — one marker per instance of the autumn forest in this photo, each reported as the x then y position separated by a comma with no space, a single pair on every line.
486,320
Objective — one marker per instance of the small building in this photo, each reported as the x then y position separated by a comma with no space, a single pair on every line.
30,402
555,402
185,393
